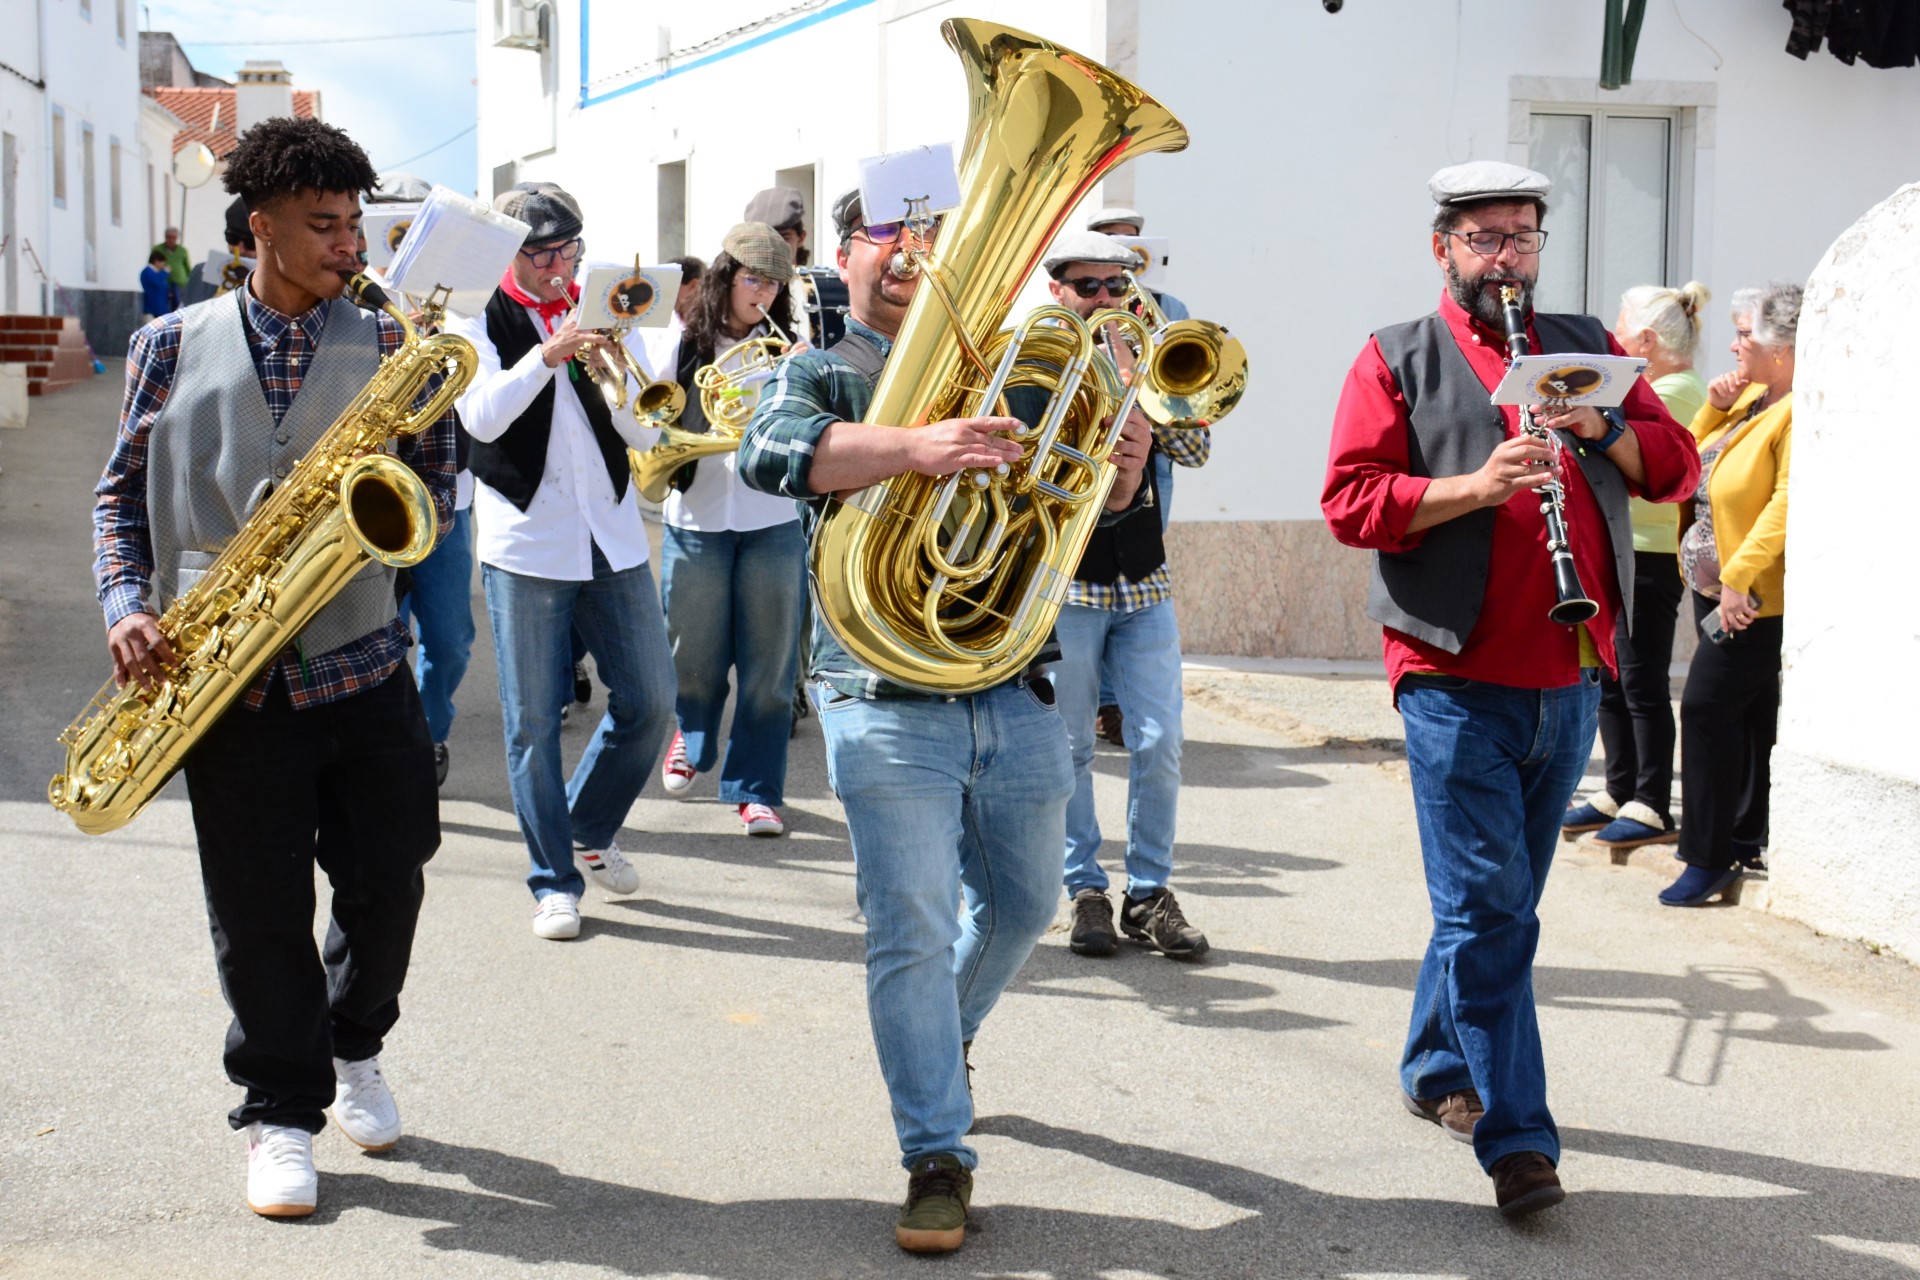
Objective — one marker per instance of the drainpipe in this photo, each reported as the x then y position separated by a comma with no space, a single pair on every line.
1619,41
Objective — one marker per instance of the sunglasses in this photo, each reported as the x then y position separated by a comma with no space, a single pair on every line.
563,252
888,232
1092,286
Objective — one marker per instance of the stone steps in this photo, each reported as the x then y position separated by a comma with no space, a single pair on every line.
51,347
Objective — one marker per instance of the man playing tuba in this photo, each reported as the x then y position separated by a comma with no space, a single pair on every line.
937,789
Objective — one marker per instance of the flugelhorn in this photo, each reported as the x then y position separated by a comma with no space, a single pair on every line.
728,393
657,403
1571,602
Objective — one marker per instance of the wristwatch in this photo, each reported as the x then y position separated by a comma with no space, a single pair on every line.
1616,427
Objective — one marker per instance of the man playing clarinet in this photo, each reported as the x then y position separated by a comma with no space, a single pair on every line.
1499,702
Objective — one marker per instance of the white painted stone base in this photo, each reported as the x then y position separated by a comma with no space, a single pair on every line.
13,395
1844,851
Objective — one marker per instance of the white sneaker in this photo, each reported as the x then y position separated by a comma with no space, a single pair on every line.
609,868
281,1182
557,917
363,1106
761,820
676,774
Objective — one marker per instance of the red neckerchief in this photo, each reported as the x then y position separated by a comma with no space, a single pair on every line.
550,313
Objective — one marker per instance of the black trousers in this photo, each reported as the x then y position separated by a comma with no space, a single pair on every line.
348,785
1636,711
1728,713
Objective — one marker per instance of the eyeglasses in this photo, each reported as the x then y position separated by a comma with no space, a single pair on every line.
1488,244
888,232
558,253
753,281
1090,286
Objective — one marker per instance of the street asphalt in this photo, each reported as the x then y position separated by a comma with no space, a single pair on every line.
690,1088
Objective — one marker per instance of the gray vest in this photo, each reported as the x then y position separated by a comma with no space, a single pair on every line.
1434,591
215,453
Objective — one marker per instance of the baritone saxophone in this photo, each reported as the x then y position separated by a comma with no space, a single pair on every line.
344,503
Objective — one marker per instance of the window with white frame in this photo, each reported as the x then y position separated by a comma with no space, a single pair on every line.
1615,216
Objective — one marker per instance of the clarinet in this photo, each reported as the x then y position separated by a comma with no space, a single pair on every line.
1571,604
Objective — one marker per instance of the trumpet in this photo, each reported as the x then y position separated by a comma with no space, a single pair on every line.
728,386
658,402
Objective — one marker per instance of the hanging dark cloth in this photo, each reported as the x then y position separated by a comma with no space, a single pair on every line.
1880,33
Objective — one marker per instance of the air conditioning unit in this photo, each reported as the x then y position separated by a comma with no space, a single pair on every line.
521,24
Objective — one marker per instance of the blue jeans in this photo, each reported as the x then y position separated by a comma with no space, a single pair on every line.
946,800
1493,768
1140,651
442,602
619,616
734,602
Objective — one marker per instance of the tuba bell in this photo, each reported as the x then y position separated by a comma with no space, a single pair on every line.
952,585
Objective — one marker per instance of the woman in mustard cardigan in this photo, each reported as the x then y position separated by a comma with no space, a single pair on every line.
1733,557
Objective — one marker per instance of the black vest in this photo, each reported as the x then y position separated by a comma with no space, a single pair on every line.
1434,592
513,463
1132,545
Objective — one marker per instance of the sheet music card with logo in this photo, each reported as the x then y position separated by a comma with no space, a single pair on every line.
1568,381
628,296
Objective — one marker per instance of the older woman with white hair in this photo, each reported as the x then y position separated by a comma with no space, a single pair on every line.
1635,807
1734,556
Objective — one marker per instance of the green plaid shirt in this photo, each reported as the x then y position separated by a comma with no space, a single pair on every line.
1190,447
809,393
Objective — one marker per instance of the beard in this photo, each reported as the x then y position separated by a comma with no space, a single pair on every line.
1479,295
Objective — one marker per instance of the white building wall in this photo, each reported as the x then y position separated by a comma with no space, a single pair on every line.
23,113
93,73
1298,216
1845,852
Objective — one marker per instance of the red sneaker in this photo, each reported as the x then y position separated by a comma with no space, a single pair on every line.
762,820
676,775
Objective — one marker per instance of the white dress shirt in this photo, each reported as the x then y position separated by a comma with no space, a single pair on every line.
574,507
718,499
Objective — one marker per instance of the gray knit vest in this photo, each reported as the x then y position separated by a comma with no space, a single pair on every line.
215,453
1434,592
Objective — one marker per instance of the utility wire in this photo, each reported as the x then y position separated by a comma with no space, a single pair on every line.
430,150
260,44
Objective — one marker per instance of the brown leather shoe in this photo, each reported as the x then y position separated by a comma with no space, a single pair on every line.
1106,725
1524,1183
1456,1113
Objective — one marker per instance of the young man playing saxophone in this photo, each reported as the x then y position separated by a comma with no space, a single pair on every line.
327,759
965,793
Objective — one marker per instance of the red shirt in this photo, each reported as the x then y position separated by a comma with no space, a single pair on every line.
1369,499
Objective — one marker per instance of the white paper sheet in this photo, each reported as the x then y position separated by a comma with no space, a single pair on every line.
1601,381
386,226
888,183
455,243
621,297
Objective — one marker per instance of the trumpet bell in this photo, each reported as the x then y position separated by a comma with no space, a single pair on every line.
660,404
1197,375
653,470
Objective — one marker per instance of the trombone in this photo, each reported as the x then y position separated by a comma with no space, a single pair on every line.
1196,372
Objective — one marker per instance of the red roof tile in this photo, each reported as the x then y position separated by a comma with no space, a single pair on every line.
196,107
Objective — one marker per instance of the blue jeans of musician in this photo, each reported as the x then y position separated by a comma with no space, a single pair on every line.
441,601
1493,768
949,805
1140,651
619,616
734,602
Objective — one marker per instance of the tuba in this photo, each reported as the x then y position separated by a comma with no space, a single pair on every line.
952,585
344,503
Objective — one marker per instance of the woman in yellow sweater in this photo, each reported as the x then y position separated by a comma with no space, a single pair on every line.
1733,555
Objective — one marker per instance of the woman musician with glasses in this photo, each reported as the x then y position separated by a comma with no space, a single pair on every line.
733,560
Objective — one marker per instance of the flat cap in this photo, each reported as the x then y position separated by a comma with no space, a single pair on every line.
1116,214
847,214
544,206
1479,180
779,207
759,248
1088,246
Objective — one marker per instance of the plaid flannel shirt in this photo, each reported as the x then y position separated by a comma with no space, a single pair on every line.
1190,447
282,348
809,393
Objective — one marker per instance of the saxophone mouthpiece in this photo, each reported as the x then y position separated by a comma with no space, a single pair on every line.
365,293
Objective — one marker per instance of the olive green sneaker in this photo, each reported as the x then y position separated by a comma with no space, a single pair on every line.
934,1218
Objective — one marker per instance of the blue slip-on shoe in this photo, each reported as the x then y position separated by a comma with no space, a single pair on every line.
1596,813
1637,824
1698,884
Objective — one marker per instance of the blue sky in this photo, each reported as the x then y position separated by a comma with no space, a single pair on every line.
397,97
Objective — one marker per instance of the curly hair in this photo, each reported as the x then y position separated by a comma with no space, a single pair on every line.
713,306
284,155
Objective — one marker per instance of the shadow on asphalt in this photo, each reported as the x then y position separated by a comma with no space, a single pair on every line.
532,1213
1233,764
1190,994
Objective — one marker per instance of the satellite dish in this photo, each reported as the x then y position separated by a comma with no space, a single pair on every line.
193,165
